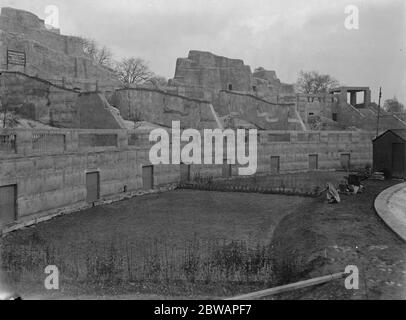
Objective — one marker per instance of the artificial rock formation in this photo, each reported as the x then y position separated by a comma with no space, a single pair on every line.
161,108
35,99
203,74
266,84
203,71
49,55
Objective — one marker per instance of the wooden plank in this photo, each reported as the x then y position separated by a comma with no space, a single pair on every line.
289,287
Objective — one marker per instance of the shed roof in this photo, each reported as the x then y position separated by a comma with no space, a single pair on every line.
401,133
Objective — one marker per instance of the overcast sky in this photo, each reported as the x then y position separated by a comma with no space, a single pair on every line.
282,35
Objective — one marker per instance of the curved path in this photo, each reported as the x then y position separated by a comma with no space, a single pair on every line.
391,207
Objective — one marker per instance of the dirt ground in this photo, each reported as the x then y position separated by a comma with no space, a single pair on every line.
176,216
307,238
169,219
320,238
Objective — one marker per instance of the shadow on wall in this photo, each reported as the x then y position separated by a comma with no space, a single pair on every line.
94,112
161,108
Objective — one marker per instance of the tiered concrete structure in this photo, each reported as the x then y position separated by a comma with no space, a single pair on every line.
45,172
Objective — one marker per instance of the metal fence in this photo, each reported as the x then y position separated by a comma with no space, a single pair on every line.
8,143
42,142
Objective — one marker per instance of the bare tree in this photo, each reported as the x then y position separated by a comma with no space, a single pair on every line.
100,55
393,105
312,82
157,81
104,56
133,71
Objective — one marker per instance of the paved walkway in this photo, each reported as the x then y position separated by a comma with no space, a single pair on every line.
391,207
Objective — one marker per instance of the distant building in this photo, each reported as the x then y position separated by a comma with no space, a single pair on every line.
389,153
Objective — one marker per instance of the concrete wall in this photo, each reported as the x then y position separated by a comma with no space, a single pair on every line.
37,99
49,167
294,149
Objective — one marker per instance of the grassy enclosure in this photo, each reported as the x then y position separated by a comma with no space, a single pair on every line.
180,239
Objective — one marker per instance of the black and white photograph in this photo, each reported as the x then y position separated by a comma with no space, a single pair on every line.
202,156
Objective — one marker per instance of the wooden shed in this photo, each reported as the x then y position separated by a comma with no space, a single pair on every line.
389,153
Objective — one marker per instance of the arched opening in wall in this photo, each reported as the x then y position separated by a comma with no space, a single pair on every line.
230,87
254,88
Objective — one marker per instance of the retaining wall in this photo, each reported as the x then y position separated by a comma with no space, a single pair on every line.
49,168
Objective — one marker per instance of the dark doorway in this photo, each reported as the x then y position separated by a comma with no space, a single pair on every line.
313,162
226,170
275,164
148,177
184,173
8,207
92,186
345,161
230,87
398,159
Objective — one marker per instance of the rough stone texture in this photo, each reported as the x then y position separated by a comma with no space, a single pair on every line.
39,100
261,113
94,112
159,107
203,75
49,54
206,70
268,85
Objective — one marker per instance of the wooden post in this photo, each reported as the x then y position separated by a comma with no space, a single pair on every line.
379,111
289,287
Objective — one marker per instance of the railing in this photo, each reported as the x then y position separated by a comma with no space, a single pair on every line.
42,142
8,143
18,142
35,141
